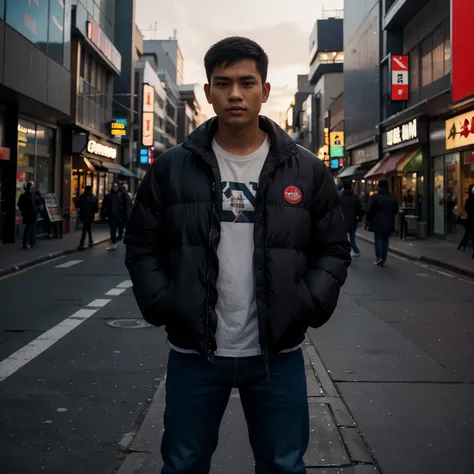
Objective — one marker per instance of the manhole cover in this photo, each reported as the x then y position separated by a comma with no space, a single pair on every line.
128,323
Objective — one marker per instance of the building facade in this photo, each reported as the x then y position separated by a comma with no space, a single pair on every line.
189,111
35,90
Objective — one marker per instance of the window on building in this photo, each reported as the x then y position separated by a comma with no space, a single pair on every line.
414,62
438,53
93,79
427,61
447,46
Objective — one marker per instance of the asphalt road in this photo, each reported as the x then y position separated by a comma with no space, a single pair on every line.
400,349
69,408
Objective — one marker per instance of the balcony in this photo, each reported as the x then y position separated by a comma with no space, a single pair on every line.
325,63
399,12
93,108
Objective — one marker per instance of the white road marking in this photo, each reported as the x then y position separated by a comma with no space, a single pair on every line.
71,263
115,291
36,347
99,303
446,274
125,284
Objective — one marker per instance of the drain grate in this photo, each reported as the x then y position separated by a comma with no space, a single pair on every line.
128,323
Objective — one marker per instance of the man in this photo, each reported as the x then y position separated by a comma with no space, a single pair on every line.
236,243
381,213
352,211
112,211
28,205
88,207
126,210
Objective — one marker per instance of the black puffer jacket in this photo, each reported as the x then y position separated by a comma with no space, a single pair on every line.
381,214
301,250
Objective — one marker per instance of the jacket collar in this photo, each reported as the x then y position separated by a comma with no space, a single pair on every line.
282,146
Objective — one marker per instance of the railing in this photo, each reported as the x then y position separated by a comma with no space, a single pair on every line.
93,108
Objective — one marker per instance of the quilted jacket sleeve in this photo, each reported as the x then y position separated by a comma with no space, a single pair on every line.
329,255
146,257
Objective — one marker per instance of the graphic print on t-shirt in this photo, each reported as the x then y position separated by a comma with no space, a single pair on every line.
238,202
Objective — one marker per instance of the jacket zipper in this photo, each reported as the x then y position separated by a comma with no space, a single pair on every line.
265,354
208,276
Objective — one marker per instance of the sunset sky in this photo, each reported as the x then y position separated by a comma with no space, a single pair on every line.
282,27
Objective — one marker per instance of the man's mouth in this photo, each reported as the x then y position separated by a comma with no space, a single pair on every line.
236,109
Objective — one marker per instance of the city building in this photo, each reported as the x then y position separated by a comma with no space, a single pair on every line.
297,113
326,76
152,137
125,120
189,111
35,91
362,90
91,154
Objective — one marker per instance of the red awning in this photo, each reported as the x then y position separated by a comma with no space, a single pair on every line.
391,164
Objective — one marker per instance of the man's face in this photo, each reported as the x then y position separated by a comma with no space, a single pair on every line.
115,188
236,92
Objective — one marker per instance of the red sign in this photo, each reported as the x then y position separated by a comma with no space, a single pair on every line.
4,154
400,78
462,51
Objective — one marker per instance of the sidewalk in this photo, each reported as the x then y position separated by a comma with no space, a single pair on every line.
335,446
14,258
434,251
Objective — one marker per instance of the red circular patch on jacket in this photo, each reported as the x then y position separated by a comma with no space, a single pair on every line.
293,195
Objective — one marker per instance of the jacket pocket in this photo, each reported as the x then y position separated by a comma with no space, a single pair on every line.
307,306
158,309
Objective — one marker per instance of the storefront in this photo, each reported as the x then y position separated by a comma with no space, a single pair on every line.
404,166
93,164
452,156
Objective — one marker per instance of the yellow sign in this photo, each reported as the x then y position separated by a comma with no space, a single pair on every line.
460,131
118,129
326,137
336,138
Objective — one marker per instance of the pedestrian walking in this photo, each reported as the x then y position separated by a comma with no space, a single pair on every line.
468,221
353,213
28,205
88,206
126,210
236,243
112,211
383,208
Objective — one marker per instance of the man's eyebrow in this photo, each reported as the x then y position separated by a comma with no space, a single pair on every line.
241,78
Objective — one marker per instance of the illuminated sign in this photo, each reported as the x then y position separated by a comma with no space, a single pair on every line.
336,147
95,148
119,128
104,45
404,133
460,131
148,115
400,78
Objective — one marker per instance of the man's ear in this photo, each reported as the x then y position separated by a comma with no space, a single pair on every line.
207,90
266,92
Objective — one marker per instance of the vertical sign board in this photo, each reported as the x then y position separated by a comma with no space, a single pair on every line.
462,51
400,78
148,115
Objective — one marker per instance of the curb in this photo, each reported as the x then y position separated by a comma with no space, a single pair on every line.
43,258
421,258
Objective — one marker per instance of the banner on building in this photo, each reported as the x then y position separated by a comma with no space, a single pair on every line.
148,115
462,51
460,131
399,69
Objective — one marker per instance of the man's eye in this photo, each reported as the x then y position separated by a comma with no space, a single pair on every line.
221,84
248,84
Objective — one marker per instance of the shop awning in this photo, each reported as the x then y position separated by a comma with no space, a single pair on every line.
112,167
392,164
348,172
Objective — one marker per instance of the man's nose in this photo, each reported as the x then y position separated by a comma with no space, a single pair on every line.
235,92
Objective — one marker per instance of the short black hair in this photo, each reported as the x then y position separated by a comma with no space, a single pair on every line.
232,49
383,183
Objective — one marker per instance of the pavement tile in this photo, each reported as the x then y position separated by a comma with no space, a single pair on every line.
358,451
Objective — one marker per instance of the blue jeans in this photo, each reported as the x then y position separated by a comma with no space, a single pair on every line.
29,234
352,240
276,411
381,246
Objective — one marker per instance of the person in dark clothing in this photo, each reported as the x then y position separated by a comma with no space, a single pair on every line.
236,243
112,211
352,210
468,223
381,213
126,210
28,205
88,206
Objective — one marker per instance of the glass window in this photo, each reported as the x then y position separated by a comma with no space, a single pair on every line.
26,155
414,60
44,166
427,62
447,47
438,53
67,35
56,31
2,9
93,79
30,19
